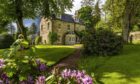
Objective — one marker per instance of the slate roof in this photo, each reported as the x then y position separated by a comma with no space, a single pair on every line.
69,18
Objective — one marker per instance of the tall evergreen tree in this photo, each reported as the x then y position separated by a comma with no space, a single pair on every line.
90,15
33,29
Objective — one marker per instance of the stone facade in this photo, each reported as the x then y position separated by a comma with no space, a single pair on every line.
136,35
63,27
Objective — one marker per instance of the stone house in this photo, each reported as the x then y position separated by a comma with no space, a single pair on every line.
65,27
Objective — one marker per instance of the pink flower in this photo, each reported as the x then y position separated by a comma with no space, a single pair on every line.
40,80
80,76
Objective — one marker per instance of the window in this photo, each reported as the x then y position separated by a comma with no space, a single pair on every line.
48,25
73,38
59,26
41,27
68,27
69,38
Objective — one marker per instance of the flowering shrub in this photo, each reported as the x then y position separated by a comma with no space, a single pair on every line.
41,80
41,66
79,77
1,63
66,76
18,68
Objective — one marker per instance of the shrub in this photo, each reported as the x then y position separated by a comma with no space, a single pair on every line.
20,67
38,40
69,76
5,41
53,37
102,42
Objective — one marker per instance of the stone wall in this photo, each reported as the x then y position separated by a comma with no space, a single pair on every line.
60,27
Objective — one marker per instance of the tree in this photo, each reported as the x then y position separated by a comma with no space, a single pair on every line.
3,25
130,13
86,15
17,10
33,29
124,14
97,13
90,15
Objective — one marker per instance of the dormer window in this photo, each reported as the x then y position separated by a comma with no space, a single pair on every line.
77,19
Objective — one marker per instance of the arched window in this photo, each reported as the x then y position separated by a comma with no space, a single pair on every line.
48,25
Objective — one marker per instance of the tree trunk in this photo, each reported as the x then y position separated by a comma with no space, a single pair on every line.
127,18
21,28
126,29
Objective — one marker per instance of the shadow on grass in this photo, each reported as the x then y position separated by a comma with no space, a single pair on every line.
120,69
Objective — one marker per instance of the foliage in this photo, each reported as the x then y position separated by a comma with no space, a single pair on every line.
3,25
32,32
80,34
6,41
122,14
117,69
17,10
90,15
70,76
96,13
53,37
32,29
85,14
18,66
102,42
38,40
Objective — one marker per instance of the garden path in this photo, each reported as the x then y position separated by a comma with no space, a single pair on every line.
70,61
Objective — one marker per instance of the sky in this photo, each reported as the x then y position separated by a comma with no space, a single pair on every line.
76,6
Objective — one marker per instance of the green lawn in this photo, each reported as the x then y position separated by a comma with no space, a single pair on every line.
51,54
121,69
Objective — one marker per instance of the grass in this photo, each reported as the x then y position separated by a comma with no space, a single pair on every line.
121,69
51,54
